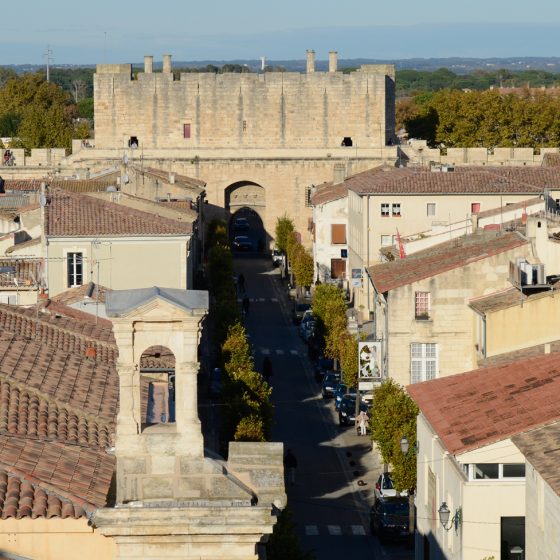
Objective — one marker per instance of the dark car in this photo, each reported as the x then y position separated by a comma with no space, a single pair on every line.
389,519
242,243
342,390
322,365
330,383
300,307
240,224
347,410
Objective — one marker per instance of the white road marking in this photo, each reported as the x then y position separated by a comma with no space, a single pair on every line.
358,530
265,351
260,300
294,352
274,300
334,529
280,352
311,530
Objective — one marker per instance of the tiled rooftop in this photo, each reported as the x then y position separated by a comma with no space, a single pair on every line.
181,180
441,258
27,272
477,408
541,448
521,354
509,207
327,192
74,295
464,180
74,215
74,185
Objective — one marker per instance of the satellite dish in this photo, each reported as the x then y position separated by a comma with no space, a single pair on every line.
125,179
125,159
111,188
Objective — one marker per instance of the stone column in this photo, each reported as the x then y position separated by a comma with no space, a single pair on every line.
186,400
148,64
310,61
333,61
167,64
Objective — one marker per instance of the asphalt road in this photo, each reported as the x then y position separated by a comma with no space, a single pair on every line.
331,509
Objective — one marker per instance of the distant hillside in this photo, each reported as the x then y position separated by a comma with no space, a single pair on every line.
457,65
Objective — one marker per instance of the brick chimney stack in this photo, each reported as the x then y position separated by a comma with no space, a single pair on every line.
148,64
167,64
310,61
333,61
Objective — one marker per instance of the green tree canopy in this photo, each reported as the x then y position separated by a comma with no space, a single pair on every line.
393,415
304,267
284,228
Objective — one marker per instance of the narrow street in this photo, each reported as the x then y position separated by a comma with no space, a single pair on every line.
330,508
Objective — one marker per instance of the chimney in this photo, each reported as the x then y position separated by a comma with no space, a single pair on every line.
167,64
310,61
333,61
148,64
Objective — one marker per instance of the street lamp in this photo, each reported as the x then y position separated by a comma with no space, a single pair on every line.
444,514
405,449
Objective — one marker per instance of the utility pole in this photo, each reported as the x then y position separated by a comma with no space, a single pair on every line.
49,59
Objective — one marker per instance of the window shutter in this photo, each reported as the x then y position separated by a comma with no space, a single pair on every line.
338,234
338,268
186,131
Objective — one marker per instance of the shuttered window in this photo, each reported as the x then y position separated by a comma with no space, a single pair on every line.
186,131
338,234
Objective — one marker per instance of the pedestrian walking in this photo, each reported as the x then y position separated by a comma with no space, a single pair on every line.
362,422
241,283
290,464
267,368
246,303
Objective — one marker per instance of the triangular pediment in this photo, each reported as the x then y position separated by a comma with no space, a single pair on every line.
156,303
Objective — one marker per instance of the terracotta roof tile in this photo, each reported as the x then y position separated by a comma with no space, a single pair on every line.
441,258
477,408
70,214
464,180
327,192
181,180
541,448
77,294
26,271
74,185
510,297
509,207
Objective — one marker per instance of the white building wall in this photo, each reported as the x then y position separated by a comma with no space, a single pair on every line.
482,503
542,518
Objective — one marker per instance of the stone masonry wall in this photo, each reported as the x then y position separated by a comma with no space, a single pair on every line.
273,110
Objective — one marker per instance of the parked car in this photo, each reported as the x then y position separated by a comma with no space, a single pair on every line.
330,382
342,390
277,257
240,224
321,366
385,488
300,307
242,243
307,330
389,518
347,410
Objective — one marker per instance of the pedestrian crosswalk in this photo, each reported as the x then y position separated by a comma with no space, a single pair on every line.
335,530
280,352
259,300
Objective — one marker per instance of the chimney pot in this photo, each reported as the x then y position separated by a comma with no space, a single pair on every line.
310,61
148,64
167,64
333,61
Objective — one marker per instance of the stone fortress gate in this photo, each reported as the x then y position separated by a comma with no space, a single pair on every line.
257,140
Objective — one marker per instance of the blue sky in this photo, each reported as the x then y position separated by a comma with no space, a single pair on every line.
125,30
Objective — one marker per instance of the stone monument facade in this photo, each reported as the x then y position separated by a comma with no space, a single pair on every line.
173,498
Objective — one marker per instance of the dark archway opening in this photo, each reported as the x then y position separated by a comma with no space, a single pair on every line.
247,232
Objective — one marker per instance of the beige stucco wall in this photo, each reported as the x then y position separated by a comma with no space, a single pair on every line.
536,321
243,110
452,323
483,502
54,539
124,263
542,518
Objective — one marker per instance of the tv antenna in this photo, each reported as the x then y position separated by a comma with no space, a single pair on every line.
48,57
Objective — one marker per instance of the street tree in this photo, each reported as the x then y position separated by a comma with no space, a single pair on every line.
284,228
303,266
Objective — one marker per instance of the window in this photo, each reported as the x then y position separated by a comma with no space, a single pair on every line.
422,306
346,142
338,234
133,142
475,207
423,361
186,131
396,209
431,209
495,471
384,209
74,265
308,195
338,268
386,241
512,538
